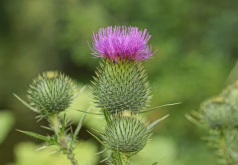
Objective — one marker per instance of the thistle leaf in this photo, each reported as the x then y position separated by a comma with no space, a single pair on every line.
88,112
102,151
41,148
165,105
47,128
53,141
156,122
198,124
81,90
79,126
107,116
120,162
35,135
96,138
25,103
64,123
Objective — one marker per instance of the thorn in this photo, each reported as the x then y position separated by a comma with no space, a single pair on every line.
88,162
78,145
67,130
71,129
106,158
48,128
165,105
81,90
101,151
95,130
87,112
39,119
54,152
41,148
38,116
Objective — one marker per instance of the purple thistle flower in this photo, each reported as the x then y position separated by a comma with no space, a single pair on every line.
121,43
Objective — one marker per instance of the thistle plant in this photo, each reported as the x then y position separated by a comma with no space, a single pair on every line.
219,118
121,91
50,94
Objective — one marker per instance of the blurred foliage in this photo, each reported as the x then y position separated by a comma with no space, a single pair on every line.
6,124
196,44
26,154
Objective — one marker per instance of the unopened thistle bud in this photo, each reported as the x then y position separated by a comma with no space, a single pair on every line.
121,82
126,134
51,92
218,114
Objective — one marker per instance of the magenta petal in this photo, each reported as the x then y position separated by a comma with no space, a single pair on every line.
121,43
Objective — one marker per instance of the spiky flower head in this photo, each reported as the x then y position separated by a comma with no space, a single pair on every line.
126,133
122,43
120,86
218,114
51,92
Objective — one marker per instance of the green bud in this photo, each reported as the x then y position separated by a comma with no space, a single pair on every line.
51,92
218,114
120,86
126,133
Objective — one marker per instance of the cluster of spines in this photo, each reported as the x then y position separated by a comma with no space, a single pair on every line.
120,86
51,92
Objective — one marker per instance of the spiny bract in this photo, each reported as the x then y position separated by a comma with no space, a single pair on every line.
51,92
126,134
120,86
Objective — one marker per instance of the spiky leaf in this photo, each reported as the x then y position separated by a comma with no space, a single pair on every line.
35,135
79,126
107,116
156,122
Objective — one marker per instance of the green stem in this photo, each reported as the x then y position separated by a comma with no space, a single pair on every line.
126,159
62,139
224,149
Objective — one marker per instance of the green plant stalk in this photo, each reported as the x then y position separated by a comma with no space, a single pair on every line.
224,149
67,150
126,159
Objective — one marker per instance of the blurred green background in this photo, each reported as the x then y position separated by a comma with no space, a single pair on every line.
197,52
